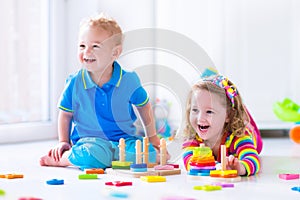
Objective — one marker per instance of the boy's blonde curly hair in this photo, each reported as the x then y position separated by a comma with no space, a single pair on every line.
238,116
106,23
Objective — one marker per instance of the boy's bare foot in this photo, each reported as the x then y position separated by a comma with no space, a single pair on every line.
49,161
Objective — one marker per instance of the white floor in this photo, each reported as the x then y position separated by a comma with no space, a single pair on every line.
279,155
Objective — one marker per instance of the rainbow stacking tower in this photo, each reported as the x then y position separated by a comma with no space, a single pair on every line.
202,161
203,166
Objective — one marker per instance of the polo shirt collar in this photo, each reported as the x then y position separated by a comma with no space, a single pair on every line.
114,80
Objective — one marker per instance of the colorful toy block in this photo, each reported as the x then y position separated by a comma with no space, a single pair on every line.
138,167
224,185
289,176
121,165
224,173
163,167
119,183
55,182
176,166
153,179
202,166
117,194
208,187
94,171
296,189
11,176
2,192
88,176
29,198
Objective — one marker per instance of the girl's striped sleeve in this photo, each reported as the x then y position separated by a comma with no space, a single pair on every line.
188,152
247,154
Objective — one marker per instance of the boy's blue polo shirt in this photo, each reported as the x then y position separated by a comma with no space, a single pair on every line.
106,111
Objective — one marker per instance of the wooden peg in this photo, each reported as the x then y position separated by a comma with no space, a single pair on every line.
163,152
138,152
223,157
122,155
146,150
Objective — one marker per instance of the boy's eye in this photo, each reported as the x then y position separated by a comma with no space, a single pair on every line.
81,46
209,112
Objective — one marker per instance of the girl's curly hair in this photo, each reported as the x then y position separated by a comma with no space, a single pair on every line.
238,116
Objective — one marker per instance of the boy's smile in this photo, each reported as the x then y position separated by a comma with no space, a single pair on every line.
89,60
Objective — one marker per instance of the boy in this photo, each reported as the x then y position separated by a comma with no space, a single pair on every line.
99,100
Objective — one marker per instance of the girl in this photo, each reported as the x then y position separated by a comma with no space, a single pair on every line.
215,116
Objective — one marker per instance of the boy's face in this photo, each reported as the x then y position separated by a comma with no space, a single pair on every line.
95,49
207,114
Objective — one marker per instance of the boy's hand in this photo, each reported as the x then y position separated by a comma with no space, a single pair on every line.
234,163
155,141
57,152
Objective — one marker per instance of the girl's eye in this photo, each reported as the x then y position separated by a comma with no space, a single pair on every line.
96,46
209,112
81,46
194,110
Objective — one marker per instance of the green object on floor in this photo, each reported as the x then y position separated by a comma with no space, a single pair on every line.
287,110
2,192
88,176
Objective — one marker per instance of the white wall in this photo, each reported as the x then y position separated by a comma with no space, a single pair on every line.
134,15
255,43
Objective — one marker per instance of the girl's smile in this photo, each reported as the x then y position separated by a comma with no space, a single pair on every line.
208,115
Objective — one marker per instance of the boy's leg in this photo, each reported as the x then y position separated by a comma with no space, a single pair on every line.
91,153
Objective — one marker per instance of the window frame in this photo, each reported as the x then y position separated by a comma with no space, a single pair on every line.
55,43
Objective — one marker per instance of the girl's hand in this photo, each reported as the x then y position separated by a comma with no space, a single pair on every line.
234,163
57,152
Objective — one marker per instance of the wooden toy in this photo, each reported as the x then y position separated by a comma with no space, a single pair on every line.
202,166
87,176
2,192
153,179
119,183
11,176
289,176
55,182
118,194
224,185
121,163
142,167
94,171
29,198
296,189
208,187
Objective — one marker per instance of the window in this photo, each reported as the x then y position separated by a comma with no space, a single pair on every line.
27,93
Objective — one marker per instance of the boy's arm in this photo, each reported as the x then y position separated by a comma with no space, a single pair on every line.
64,122
64,126
147,118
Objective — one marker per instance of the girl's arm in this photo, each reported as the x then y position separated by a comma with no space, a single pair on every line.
246,155
188,152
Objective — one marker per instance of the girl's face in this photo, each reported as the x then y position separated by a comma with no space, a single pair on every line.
95,49
207,115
